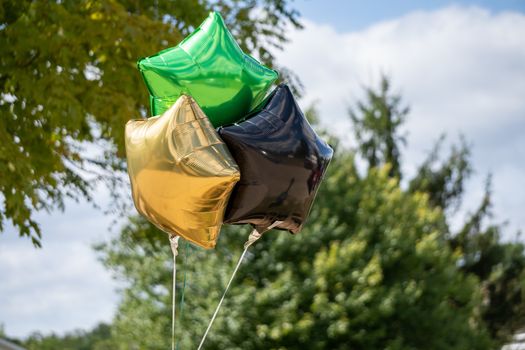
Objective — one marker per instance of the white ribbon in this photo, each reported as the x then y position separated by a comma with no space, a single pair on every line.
254,236
174,243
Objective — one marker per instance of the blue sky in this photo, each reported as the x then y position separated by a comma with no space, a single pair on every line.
459,65
347,15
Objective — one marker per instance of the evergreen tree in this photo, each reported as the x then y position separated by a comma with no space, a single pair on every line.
377,123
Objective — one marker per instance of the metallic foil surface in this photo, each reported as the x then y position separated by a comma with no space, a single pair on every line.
181,172
282,162
210,66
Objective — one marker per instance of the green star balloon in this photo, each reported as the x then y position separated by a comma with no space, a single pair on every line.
210,66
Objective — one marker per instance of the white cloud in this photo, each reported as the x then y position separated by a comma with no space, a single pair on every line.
461,69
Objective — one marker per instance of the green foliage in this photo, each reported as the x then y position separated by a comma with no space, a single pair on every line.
68,82
376,267
371,270
444,181
379,277
142,259
96,339
501,268
376,127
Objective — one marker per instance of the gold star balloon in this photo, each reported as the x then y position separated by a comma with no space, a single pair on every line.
210,66
181,172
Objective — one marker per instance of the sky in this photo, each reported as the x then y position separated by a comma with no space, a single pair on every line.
459,65
352,15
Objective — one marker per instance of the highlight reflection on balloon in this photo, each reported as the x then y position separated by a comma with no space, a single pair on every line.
181,172
282,162
210,66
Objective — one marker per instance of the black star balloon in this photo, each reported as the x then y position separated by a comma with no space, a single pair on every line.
282,162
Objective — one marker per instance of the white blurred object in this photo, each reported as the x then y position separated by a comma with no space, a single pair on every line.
6,345
517,344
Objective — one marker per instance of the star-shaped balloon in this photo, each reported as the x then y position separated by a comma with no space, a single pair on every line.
181,172
211,67
282,162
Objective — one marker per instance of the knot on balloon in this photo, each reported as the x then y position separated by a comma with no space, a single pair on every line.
257,233
252,238
174,243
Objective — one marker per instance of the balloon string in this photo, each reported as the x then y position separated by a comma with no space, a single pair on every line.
174,243
181,304
222,298
254,236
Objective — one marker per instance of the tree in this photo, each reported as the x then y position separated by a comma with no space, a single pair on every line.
373,269
376,127
381,278
68,85
95,339
376,267
444,181
499,265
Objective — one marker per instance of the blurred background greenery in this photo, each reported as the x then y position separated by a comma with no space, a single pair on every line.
379,265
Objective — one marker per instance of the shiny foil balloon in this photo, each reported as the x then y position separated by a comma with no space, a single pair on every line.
210,66
181,172
282,162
